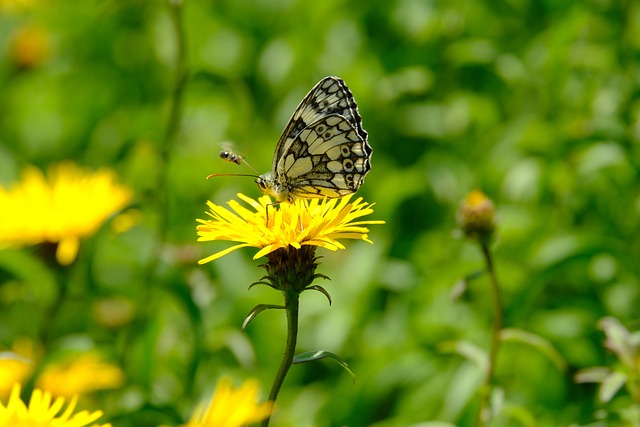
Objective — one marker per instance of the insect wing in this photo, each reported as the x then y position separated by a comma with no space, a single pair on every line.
326,159
328,97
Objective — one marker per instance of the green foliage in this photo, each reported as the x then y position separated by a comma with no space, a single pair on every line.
534,102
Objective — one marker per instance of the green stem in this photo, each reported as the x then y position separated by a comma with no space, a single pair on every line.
162,194
495,336
291,305
173,124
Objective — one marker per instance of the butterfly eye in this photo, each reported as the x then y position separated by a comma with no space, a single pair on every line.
261,184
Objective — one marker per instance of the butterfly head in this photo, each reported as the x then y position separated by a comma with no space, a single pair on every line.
262,182
268,185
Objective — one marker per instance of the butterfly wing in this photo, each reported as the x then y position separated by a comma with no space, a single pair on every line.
328,158
329,96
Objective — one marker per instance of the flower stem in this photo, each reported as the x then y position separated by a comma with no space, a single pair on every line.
291,305
162,196
482,415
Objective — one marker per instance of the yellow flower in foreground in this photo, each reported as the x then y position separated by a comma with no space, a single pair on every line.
67,205
41,412
315,222
79,375
232,408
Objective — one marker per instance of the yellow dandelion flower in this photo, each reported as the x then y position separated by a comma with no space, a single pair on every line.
232,408
81,374
13,369
41,412
69,204
288,237
314,222
17,365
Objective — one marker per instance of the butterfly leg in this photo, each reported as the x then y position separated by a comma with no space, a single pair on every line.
270,204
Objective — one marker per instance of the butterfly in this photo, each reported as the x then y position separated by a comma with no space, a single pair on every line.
323,151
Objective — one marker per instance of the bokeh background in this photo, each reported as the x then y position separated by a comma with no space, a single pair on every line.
535,102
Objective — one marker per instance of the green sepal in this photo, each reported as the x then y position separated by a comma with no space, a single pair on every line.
321,290
310,356
257,310
264,281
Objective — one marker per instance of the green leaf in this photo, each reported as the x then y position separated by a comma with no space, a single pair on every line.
257,310
521,415
610,386
468,350
537,342
596,374
463,284
618,340
310,356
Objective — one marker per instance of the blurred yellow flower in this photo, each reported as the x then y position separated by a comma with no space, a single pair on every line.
232,408
13,369
316,222
17,365
30,47
67,205
42,413
80,374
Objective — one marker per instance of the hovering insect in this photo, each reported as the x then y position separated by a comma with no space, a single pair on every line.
230,157
228,154
323,151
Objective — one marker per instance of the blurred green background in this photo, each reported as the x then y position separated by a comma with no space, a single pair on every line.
535,102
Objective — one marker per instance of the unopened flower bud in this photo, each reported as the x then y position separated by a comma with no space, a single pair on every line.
476,216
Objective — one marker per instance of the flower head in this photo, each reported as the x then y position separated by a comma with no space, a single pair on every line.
17,365
476,216
312,222
232,408
67,205
79,375
13,369
30,47
41,412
